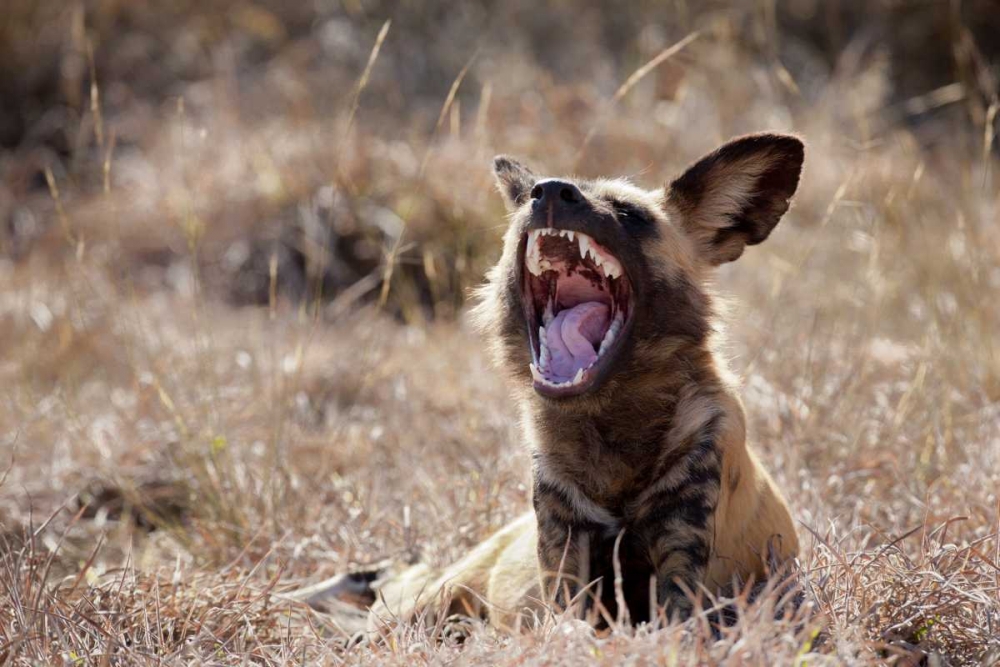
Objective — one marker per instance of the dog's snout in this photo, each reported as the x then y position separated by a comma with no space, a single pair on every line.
555,191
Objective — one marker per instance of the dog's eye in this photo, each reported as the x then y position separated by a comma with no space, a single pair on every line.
628,213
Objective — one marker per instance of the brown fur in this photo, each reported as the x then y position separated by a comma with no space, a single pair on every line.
655,457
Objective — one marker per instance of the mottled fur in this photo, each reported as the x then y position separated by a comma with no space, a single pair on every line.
654,457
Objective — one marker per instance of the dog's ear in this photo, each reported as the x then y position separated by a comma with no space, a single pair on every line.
514,180
734,196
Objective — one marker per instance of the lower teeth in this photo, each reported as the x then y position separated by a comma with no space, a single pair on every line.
544,356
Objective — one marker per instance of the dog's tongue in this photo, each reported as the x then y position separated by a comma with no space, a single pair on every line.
571,338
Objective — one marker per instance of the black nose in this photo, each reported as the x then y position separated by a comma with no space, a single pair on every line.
555,191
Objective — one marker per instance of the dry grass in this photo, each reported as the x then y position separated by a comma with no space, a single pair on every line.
173,460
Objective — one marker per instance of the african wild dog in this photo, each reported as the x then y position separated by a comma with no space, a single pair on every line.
599,312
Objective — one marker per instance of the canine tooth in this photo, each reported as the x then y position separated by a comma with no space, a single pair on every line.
578,377
548,315
584,242
609,338
543,348
531,253
571,234
534,372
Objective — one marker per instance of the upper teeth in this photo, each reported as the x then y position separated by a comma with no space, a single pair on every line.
538,264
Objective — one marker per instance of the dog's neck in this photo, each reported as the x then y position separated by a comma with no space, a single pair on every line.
615,443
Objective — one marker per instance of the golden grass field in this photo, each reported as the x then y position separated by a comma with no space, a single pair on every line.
234,263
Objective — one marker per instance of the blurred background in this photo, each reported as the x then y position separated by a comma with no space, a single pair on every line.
244,123
237,239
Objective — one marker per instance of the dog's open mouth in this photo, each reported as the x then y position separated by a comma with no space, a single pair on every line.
577,301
